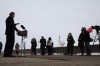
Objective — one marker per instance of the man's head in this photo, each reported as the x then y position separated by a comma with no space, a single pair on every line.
83,29
49,38
42,37
12,14
69,34
33,38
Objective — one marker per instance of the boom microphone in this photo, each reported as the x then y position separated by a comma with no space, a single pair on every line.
22,27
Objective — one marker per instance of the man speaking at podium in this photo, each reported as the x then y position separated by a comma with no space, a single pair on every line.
10,35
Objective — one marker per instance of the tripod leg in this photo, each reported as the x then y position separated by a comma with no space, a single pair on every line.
99,44
24,48
99,40
93,42
94,39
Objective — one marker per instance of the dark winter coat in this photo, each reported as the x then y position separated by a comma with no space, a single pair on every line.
10,26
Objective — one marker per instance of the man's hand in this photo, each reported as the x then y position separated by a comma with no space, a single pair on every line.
17,24
18,32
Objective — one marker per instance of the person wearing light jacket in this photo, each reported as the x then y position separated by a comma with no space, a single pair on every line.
49,46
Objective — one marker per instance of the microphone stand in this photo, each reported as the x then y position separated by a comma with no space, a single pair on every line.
22,41
23,45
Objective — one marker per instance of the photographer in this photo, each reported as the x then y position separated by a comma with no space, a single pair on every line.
70,45
81,43
17,49
86,39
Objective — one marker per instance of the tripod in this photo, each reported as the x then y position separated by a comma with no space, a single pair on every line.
95,39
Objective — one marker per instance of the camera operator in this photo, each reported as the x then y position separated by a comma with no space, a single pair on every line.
81,43
70,44
86,40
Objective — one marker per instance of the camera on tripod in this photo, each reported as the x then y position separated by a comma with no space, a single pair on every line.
96,27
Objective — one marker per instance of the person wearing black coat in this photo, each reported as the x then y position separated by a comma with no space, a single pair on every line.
10,35
33,46
70,45
42,45
81,43
87,40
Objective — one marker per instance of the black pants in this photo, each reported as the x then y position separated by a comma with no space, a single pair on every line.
82,50
42,50
49,50
81,46
69,50
33,50
17,52
0,50
10,39
87,47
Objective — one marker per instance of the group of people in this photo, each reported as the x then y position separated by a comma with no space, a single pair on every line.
84,38
43,44
83,43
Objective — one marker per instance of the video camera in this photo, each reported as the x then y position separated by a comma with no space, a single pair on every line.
96,27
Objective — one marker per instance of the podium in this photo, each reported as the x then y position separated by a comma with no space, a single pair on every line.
23,35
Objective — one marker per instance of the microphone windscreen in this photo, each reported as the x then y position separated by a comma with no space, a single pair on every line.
22,27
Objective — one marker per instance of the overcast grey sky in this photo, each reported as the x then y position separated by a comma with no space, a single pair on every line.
50,18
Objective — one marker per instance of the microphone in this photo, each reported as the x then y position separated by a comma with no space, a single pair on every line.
22,27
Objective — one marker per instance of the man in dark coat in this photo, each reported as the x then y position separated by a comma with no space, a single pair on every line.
81,43
33,46
70,45
43,45
86,39
10,35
